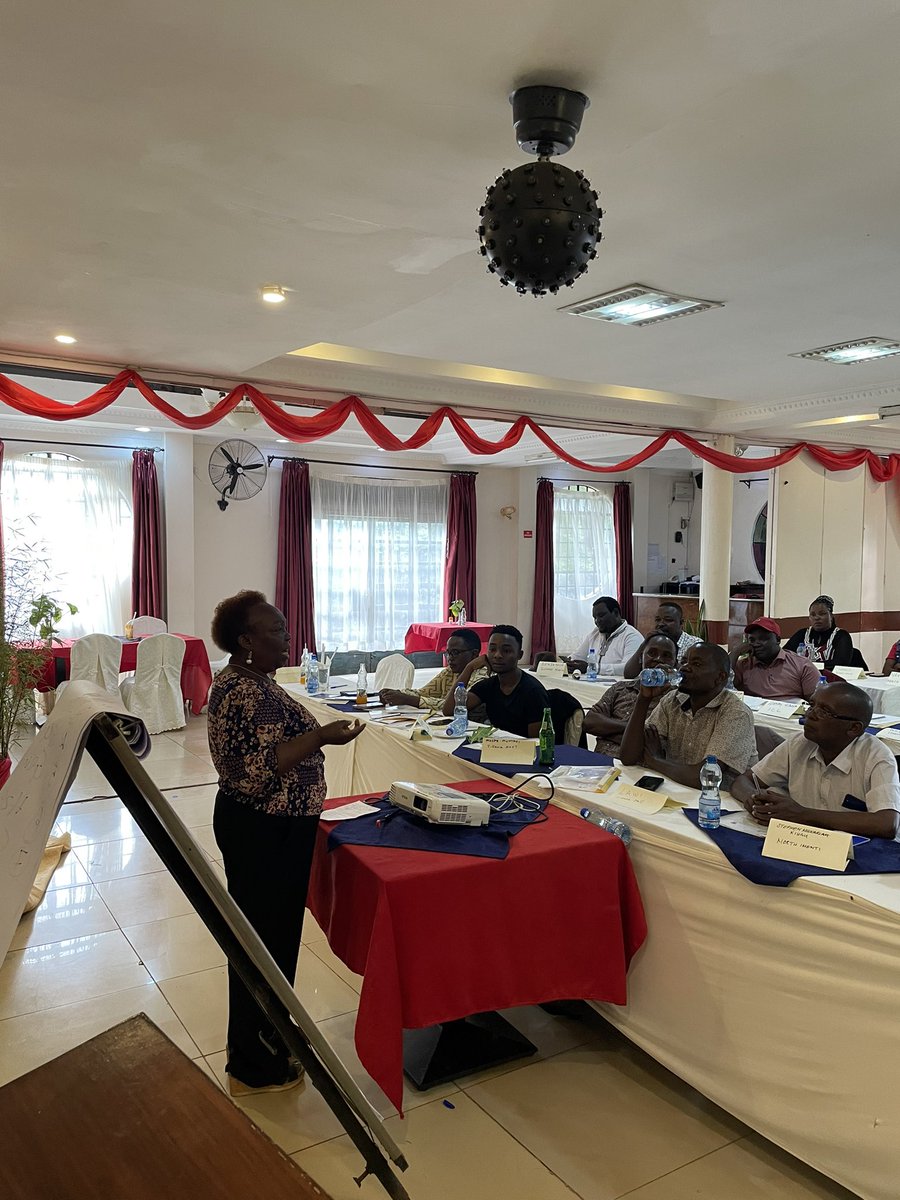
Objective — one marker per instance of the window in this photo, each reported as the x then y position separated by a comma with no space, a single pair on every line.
378,559
584,559
80,512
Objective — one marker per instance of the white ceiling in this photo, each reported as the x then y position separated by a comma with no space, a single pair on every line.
162,161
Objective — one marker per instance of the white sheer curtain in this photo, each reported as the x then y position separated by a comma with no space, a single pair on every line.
584,559
378,558
81,512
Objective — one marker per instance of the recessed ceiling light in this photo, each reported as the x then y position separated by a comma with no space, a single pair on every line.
849,353
272,293
65,339
142,429
638,304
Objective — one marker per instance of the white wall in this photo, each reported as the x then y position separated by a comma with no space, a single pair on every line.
838,534
748,502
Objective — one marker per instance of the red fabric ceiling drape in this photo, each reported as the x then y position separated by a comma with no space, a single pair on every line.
459,573
333,417
147,557
543,634
293,573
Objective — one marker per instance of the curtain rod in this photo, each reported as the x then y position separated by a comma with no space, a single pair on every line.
76,445
334,462
582,482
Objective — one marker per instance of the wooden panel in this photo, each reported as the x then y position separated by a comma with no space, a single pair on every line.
128,1115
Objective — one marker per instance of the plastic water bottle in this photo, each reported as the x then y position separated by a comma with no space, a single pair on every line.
546,740
304,665
591,673
610,824
802,649
312,675
461,619
659,676
710,806
460,722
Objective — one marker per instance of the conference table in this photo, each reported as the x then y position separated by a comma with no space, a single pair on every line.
435,635
777,1003
196,674
565,920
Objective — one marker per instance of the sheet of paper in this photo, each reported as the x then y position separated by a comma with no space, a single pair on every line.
742,821
349,812
508,750
804,844
891,737
884,720
752,702
641,798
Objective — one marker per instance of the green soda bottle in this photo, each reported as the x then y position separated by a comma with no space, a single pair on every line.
546,740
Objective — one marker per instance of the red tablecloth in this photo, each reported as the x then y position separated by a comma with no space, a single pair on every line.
437,937
196,675
435,636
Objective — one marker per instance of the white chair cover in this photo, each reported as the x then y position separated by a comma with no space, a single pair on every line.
145,626
95,658
395,671
153,693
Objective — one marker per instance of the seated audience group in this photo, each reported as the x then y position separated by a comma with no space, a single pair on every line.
834,776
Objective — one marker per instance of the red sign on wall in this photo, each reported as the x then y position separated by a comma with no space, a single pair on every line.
527,533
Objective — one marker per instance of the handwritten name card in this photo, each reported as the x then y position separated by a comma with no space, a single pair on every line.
554,669
508,750
804,844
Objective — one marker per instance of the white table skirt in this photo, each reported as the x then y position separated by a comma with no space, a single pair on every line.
780,1004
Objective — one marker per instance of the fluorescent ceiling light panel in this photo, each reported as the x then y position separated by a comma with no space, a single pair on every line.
848,354
638,304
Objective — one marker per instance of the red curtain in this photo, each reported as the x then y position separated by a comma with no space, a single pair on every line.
293,574
334,416
624,567
543,634
459,573
146,557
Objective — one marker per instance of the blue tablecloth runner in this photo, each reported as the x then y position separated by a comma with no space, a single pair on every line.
565,756
401,830
744,852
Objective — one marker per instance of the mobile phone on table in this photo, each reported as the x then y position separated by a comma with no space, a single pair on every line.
649,782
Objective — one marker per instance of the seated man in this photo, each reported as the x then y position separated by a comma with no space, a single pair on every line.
614,639
669,621
609,716
462,648
685,728
513,700
762,668
836,776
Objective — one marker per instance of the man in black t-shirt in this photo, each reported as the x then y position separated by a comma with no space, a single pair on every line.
513,700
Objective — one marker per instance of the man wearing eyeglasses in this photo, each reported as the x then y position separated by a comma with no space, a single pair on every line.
836,776
463,648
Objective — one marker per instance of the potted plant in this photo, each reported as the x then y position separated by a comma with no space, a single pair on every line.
457,607
46,612
23,661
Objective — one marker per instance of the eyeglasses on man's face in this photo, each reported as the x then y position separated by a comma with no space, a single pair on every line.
820,710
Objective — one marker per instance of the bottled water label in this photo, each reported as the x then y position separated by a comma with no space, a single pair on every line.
709,813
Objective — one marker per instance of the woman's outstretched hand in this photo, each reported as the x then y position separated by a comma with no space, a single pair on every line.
338,733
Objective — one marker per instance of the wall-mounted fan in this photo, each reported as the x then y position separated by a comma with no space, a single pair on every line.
237,470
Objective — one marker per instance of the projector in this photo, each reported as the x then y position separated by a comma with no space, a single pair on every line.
439,805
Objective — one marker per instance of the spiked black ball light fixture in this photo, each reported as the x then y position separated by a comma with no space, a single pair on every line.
540,223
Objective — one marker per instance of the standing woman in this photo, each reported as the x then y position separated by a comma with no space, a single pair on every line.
825,643
267,750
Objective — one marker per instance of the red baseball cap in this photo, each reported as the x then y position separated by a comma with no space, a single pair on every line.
765,623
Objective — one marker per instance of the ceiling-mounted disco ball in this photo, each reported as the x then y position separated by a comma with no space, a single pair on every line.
540,223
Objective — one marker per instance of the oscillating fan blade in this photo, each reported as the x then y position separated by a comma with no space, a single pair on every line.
252,466
229,491
232,461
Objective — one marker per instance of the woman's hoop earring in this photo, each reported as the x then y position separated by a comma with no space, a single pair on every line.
249,657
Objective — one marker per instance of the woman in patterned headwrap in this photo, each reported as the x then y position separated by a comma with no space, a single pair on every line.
825,643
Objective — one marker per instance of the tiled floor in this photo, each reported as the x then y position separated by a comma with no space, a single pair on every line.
590,1116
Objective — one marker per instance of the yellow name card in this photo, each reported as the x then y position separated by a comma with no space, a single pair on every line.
641,798
849,673
556,669
804,844
780,708
508,750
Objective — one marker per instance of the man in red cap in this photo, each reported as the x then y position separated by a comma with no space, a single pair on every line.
762,668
